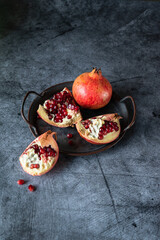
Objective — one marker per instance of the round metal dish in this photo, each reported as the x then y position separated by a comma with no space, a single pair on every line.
125,107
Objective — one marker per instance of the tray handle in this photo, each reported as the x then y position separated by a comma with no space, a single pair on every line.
22,111
134,111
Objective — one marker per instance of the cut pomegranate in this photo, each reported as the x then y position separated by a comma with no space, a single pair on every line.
20,181
61,110
101,129
41,155
31,188
69,135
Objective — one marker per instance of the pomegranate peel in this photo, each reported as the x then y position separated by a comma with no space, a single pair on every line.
41,155
61,110
101,129
92,90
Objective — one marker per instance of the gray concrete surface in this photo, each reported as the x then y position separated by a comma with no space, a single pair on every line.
114,195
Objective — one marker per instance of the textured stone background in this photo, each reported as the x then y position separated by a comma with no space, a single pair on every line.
114,195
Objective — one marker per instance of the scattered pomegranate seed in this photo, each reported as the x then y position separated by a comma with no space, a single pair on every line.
31,188
70,142
69,135
20,181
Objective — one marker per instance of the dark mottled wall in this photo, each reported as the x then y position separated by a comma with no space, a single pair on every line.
47,42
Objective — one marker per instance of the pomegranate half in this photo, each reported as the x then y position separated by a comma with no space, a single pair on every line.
41,155
92,90
101,129
61,110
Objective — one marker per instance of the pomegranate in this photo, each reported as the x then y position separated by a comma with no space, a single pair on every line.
61,110
41,155
101,129
92,90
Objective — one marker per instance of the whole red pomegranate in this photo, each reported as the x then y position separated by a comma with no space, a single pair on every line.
92,90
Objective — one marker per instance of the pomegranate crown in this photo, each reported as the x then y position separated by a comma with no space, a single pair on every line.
95,70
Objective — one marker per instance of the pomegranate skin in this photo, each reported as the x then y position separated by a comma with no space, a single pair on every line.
91,90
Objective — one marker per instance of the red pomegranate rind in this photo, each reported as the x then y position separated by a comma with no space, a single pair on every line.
41,155
101,129
61,110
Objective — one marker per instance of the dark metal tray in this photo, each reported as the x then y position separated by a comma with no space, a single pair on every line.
124,107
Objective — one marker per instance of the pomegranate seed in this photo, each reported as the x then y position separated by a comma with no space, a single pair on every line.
69,135
20,181
86,126
65,113
101,129
70,142
36,165
50,117
100,137
76,108
116,128
69,116
64,106
31,188
54,154
58,116
105,132
69,106
56,120
51,106
31,166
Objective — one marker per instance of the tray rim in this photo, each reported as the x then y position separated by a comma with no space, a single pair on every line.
106,146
